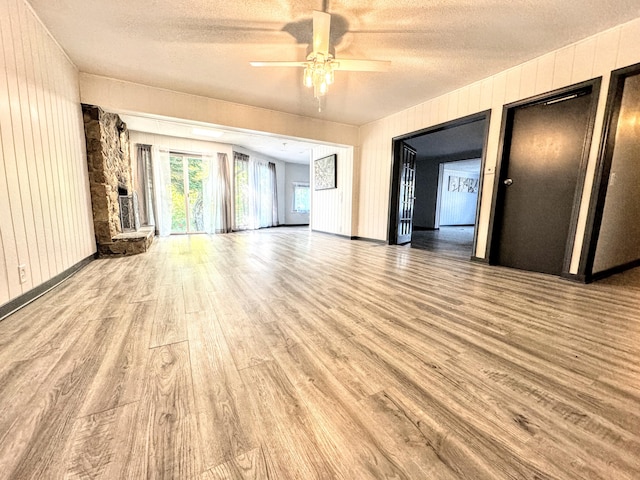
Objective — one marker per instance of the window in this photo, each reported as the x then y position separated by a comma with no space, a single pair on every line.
301,198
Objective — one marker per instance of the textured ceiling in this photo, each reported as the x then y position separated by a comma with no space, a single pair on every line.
204,47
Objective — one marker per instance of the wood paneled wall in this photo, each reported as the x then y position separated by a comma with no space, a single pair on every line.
45,208
592,57
331,210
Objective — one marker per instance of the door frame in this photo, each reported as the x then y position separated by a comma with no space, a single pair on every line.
504,147
601,177
436,223
396,166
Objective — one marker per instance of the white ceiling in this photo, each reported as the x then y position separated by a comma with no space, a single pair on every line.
450,141
286,149
471,166
203,47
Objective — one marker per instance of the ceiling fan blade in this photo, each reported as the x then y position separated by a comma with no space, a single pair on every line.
363,65
321,29
278,64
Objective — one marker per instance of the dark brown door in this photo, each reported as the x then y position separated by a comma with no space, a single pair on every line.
407,194
545,144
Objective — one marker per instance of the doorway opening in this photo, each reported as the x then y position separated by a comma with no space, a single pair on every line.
435,206
612,236
188,173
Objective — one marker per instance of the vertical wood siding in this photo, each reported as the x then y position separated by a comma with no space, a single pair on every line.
45,209
331,210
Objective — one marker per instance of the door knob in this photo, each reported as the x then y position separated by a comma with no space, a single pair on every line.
508,182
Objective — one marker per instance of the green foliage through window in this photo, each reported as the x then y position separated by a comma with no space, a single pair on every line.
192,172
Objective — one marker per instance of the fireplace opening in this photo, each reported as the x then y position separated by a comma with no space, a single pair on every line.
129,216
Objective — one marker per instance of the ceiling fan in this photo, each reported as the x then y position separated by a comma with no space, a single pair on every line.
321,64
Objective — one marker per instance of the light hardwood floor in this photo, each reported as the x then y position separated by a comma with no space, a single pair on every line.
282,354
454,241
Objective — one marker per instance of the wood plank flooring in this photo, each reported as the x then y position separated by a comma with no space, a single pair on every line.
448,240
283,354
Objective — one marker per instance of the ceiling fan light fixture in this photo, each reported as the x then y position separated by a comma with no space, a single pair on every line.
329,76
308,76
320,63
319,73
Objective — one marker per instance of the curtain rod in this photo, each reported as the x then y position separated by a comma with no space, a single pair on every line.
210,153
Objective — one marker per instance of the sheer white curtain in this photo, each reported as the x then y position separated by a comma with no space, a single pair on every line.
162,190
256,193
241,192
209,210
273,181
217,194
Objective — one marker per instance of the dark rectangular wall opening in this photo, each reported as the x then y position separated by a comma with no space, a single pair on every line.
439,148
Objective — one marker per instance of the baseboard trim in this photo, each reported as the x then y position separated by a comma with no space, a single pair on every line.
26,298
480,260
613,270
352,237
372,240
349,237
293,225
574,277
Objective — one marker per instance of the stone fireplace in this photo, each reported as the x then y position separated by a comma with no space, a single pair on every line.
110,179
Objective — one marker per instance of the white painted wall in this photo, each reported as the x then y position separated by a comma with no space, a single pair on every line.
457,208
45,207
177,144
331,209
112,94
592,57
295,173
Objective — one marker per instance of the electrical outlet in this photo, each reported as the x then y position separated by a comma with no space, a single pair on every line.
22,272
